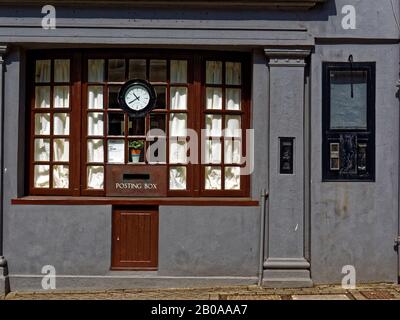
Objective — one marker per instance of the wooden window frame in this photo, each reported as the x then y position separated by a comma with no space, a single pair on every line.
195,110
364,135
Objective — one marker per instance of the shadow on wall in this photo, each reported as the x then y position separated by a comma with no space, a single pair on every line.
320,13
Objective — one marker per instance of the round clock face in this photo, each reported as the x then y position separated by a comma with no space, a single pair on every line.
138,97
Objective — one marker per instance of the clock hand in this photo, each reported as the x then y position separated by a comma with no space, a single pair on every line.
134,100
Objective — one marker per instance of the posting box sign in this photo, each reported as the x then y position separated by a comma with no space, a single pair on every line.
136,181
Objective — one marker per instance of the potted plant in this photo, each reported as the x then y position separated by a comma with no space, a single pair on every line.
135,148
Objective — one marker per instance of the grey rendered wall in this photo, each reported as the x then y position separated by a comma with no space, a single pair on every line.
356,223
209,241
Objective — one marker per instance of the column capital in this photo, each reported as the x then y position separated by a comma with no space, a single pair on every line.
287,57
3,50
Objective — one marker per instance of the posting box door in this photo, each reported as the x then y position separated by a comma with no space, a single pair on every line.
135,239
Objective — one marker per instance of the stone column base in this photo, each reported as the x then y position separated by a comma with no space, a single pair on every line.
287,279
4,279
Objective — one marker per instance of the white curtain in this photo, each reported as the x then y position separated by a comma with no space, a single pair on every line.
95,152
96,70
61,149
232,178
61,97
95,97
95,124
41,176
213,151
178,71
232,151
60,176
178,125
42,97
214,98
214,72
177,151
233,99
61,124
61,70
232,126
178,98
177,178
213,125
42,123
95,177
42,149
233,73
42,71
213,178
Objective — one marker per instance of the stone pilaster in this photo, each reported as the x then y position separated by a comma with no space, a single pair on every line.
4,281
286,263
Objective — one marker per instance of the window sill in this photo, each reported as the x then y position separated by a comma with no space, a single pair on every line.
184,201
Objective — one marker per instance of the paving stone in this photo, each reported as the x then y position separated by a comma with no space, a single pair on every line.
321,297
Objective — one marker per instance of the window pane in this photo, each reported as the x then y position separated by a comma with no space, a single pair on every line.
161,92
116,124
178,125
178,98
137,69
232,178
348,100
61,70
95,70
61,97
95,151
42,123
214,72
232,126
95,124
213,178
42,176
213,125
95,177
136,126
60,177
61,124
95,97
42,70
233,99
136,150
157,152
42,149
177,178
233,151
42,97
157,121
113,97
233,73
214,98
61,150
178,71
116,70
177,151
213,151
116,151
158,70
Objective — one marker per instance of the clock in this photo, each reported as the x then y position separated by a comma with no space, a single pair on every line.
137,97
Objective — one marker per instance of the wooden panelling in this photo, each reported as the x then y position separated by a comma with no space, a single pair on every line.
135,239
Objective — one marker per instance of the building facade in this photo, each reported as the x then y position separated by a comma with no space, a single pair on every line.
269,154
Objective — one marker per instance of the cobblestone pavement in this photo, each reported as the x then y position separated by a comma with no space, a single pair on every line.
362,292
